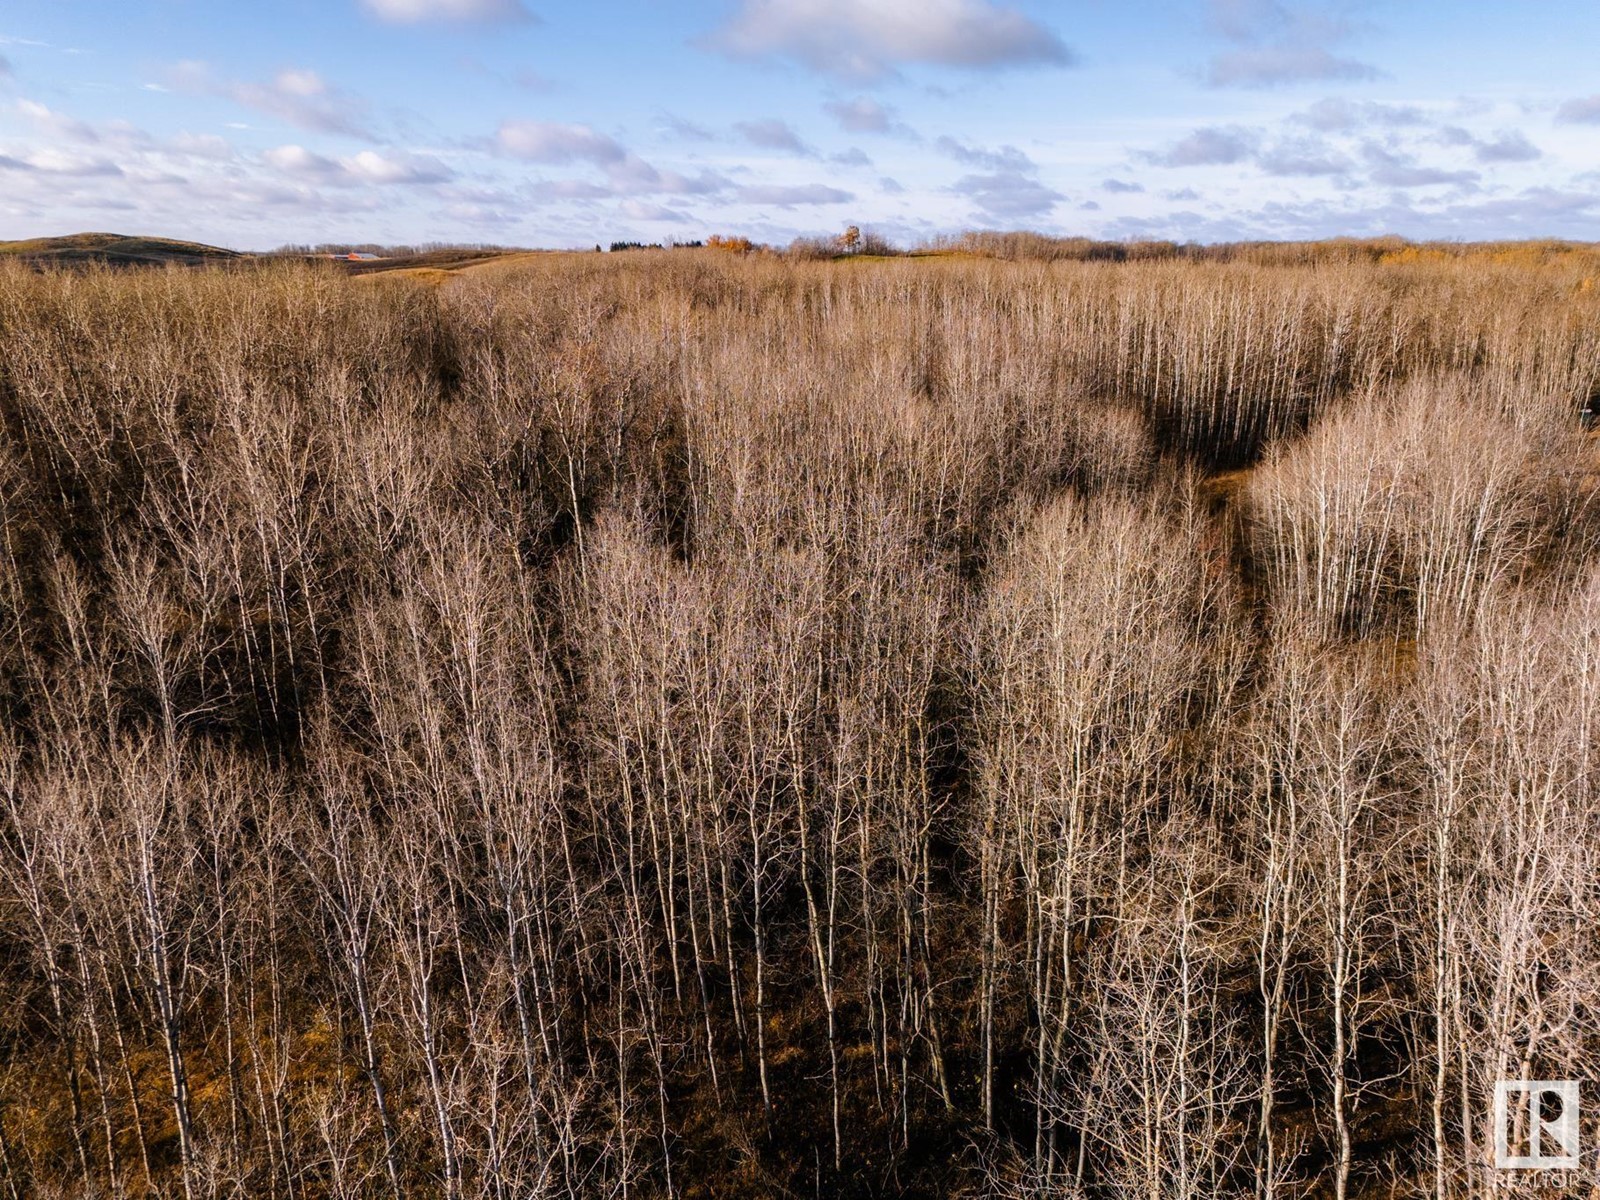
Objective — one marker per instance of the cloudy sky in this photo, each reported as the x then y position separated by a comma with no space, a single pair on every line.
556,123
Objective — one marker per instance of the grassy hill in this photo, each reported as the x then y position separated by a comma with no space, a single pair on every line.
115,249
122,250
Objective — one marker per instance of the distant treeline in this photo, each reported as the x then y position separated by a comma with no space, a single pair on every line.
297,249
1028,246
694,245
1024,246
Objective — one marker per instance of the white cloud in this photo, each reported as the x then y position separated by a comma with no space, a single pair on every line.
1007,158
632,175
203,145
869,39
296,95
626,173
1508,146
1008,195
706,183
641,210
1267,66
772,134
688,130
569,189
1335,114
1280,44
57,125
297,160
788,197
54,161
1533,212
1585,111
1007,189
371,167
1395,169
367,167
861,115
865,115
550,142
299,82
1209,146
410,12
1303,157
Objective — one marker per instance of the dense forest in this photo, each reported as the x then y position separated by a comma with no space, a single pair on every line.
691,724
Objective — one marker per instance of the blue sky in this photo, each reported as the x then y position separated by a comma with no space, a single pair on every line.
541,122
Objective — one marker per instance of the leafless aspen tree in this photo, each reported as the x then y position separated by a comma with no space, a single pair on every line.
1061,719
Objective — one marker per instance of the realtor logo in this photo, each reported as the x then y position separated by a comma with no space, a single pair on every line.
1536,1125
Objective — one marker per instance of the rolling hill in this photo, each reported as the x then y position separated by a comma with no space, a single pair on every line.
118,250
122,250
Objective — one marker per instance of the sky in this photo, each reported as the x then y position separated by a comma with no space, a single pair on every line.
256,123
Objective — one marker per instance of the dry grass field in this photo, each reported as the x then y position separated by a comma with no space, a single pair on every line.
1008,723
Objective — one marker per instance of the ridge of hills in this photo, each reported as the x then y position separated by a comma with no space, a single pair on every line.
115,249
124,250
